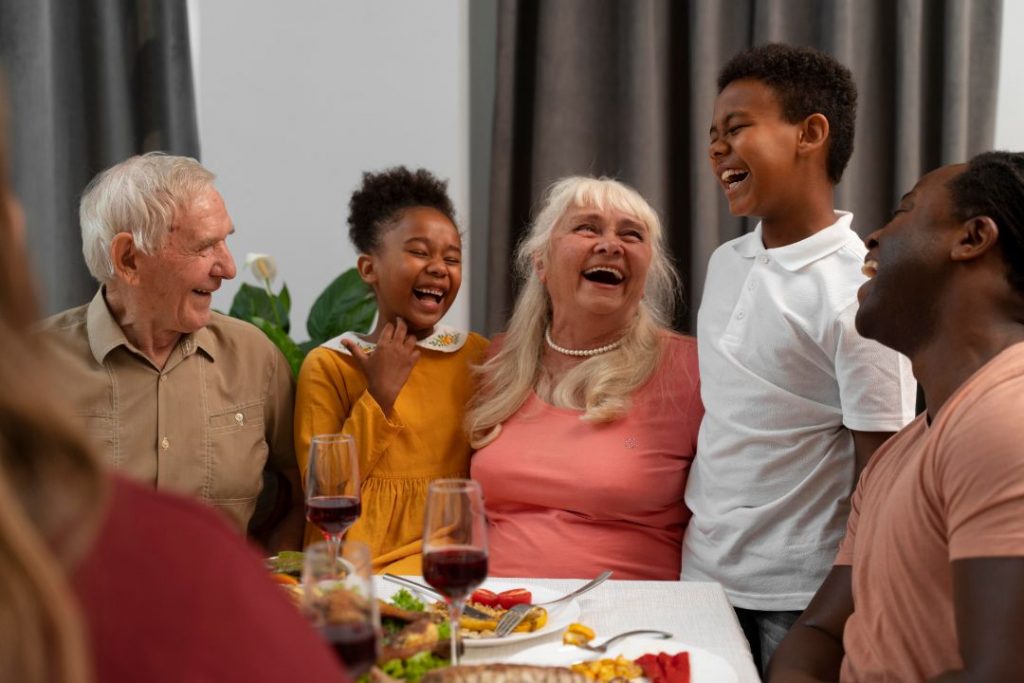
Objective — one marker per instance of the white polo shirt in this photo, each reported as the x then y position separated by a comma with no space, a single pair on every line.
784,377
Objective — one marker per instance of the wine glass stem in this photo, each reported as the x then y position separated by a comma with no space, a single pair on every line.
335,542
454,616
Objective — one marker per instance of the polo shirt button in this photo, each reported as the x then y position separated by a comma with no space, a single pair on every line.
740,315
750,286
239,418
762,258
165,443
163,378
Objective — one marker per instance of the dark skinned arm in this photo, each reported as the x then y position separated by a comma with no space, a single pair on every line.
864,446
988,596
812,651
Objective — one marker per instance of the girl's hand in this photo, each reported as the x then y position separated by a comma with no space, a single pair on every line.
388,367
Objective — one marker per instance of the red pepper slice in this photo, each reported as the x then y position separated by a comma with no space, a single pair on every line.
484,597
517,596
665,668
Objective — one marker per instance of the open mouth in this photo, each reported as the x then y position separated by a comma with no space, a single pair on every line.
870,268
429,294
732,178
202,292
604,275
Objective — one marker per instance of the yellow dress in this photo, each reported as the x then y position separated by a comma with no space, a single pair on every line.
399,455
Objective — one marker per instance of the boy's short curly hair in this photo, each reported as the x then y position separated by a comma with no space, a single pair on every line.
380,200
806,82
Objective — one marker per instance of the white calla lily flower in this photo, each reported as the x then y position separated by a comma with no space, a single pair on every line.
262,266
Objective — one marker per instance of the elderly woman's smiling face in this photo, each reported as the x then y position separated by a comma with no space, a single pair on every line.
597,263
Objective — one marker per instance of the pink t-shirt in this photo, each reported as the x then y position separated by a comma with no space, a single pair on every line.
567,498
933,494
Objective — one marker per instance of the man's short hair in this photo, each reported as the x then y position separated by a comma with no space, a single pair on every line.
993,185
141,195
806,82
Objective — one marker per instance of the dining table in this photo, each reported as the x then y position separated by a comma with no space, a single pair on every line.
695,613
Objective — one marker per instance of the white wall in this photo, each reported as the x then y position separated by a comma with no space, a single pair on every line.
1010,103
297,98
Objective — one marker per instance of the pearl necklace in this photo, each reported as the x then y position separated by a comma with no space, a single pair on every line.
580,353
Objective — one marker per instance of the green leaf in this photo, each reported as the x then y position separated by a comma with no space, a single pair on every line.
346,305
292,353
285,299
254,302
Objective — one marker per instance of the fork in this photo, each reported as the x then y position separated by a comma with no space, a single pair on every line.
512,618
603,647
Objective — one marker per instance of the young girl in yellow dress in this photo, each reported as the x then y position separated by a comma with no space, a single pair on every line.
401,390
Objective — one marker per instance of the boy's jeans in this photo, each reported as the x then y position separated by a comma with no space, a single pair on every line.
764,632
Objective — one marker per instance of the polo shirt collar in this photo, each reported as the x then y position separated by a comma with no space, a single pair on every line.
795,256
105,334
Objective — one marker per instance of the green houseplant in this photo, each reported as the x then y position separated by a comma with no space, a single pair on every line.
347,304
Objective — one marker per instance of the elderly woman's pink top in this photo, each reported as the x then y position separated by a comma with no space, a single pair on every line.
567,498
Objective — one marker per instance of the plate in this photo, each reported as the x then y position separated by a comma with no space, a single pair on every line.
559,616
705,667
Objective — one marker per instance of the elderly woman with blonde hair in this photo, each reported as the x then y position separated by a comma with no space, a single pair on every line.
587,412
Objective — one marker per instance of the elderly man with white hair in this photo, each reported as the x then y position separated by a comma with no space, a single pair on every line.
172,393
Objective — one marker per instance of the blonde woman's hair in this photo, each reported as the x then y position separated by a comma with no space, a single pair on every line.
52,490
141,195
600,386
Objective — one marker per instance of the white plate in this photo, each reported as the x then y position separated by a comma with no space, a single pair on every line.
705,667
559,616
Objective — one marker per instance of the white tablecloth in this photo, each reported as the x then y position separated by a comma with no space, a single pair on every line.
695,613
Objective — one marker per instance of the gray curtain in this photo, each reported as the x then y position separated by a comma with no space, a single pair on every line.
90,82
626,88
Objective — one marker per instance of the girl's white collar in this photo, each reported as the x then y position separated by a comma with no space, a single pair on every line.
444,339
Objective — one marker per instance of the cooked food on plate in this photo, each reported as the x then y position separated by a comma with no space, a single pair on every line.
496,604
503,673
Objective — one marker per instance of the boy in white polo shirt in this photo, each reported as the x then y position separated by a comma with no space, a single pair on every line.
796,401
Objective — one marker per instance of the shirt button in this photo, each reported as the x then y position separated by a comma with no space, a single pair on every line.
740,315
239,418
165,443
163,378
750,286
762,258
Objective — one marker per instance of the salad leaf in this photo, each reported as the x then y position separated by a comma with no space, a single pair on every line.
413,669
406,601
444,630
287,562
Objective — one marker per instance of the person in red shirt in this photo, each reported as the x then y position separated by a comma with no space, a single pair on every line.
101,579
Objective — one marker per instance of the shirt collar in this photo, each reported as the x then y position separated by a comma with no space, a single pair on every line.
444,339
105,334
795,256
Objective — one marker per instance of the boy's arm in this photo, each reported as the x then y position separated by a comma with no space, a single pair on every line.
864,446
813,648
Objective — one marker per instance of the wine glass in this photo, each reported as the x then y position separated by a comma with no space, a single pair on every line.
332,485
337,597
454,545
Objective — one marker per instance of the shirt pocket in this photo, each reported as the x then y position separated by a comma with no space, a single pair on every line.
238,453
101,432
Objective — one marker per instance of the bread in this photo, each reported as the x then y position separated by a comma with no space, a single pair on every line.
502,673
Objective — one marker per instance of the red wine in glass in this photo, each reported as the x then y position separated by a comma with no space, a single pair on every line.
455,572
333,514
354,643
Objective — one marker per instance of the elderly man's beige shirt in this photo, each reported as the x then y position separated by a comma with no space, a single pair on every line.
204,425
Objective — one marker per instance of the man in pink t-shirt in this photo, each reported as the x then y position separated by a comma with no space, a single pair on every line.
929,581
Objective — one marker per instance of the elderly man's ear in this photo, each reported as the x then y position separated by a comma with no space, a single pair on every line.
124,256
